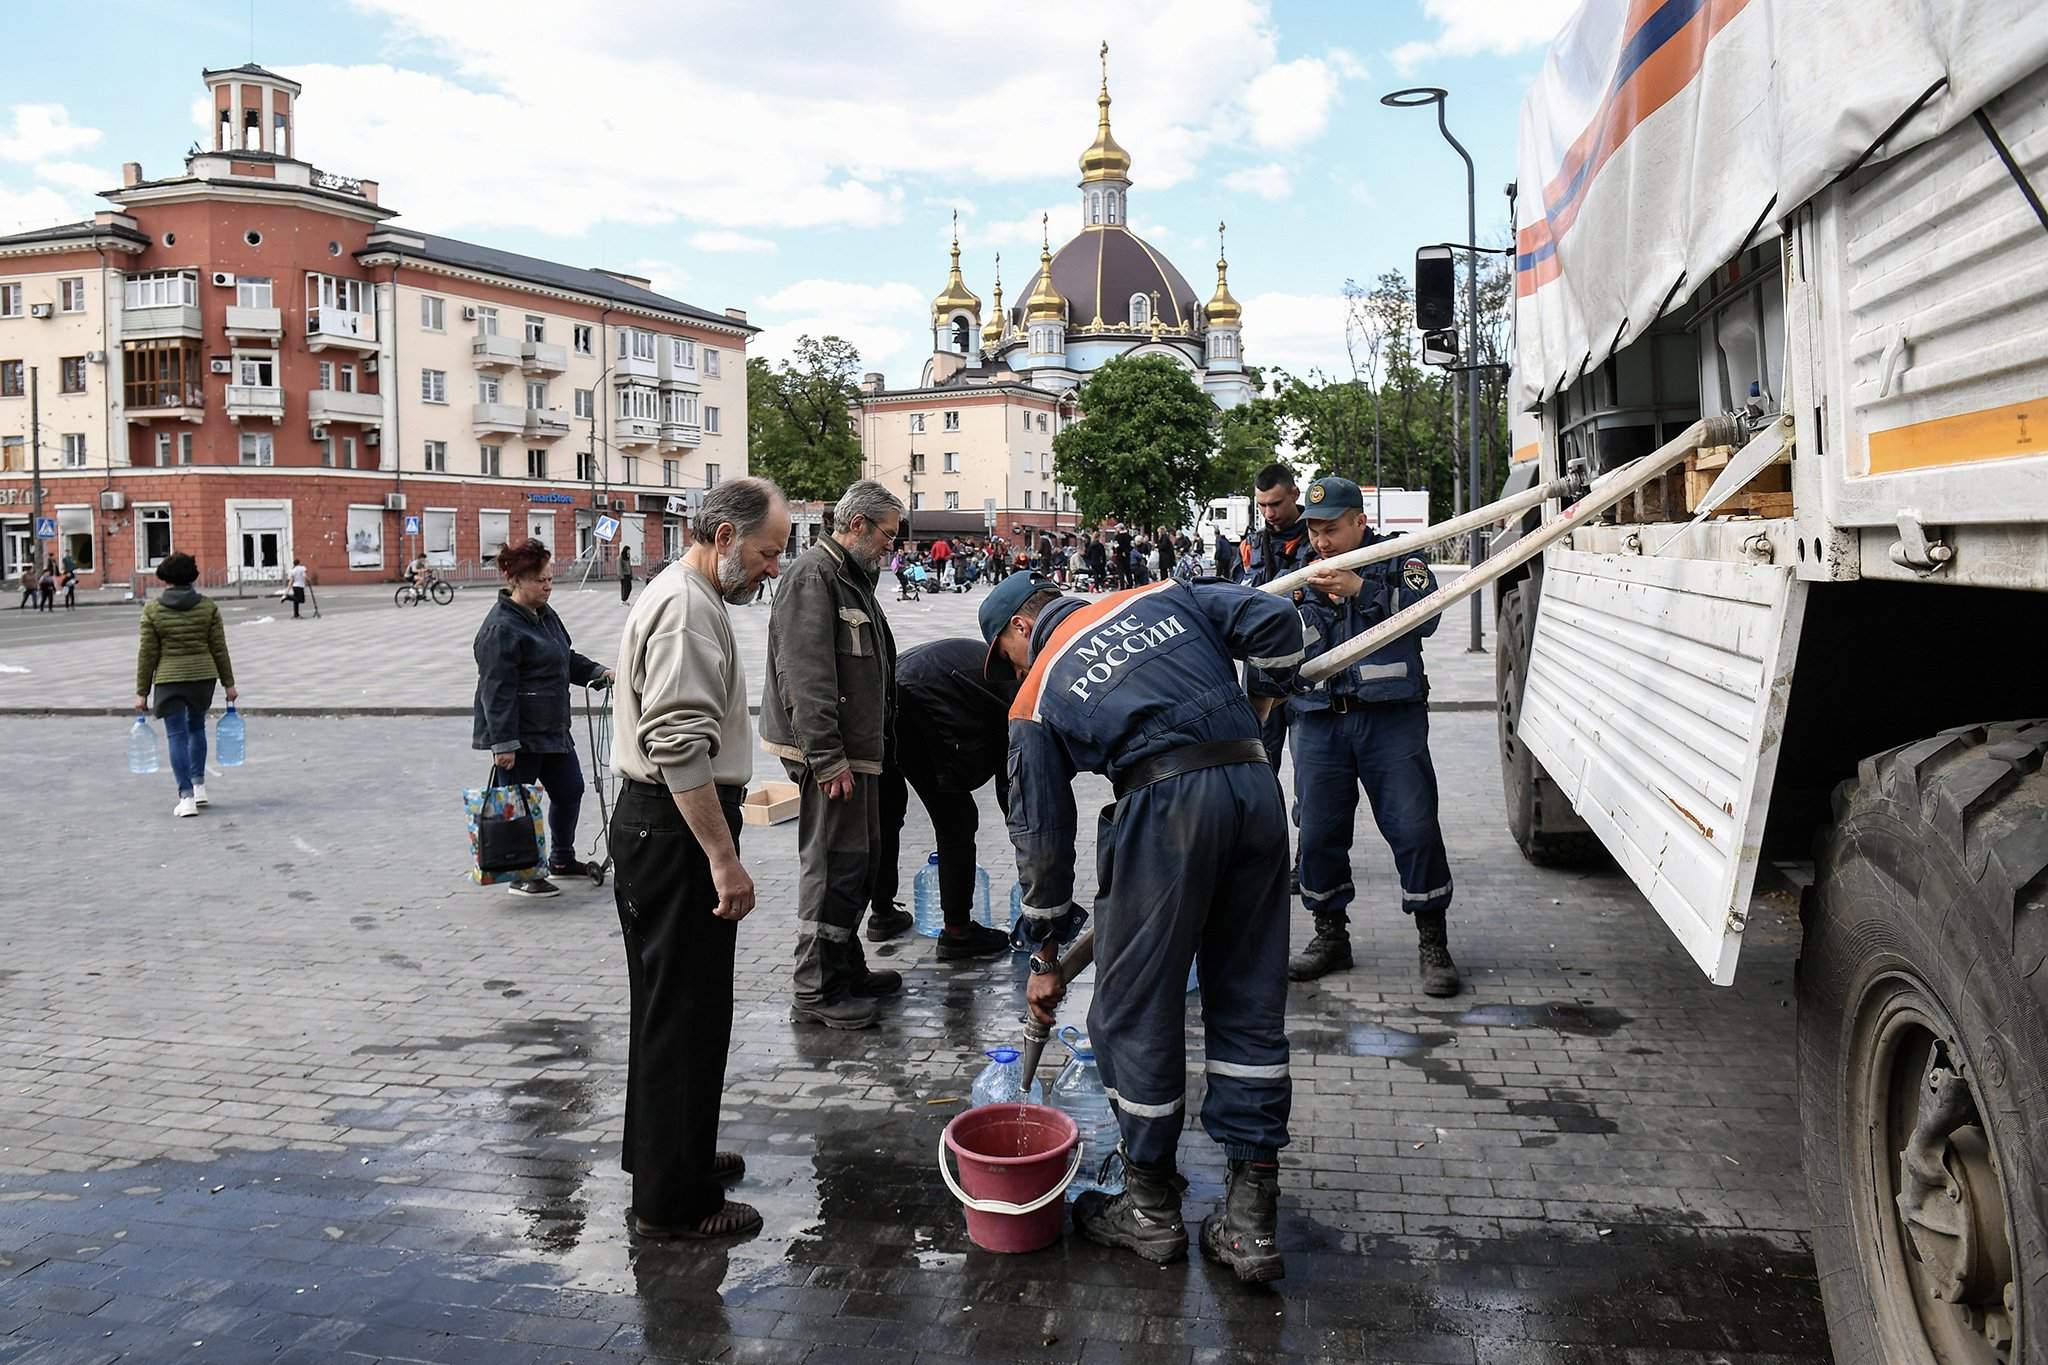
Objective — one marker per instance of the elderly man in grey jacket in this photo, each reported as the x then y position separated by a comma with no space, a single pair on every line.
826,712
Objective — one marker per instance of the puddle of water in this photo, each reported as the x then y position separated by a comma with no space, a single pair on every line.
1559,1016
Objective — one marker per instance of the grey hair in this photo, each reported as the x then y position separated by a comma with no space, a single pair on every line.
866,500
744,504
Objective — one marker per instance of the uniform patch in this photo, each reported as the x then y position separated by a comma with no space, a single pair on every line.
1415,573
1316,492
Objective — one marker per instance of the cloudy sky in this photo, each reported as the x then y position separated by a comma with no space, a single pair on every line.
803,160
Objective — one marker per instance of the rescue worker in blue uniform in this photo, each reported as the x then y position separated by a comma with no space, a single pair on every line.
1277,548
1368,725
1191,861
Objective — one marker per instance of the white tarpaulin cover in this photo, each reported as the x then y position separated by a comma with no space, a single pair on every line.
1662,134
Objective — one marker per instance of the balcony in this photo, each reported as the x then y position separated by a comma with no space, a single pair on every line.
495,352
543,357
546,424
332,405
676,377
246,400
635,431
679,434
506,417
636,367
165,401
338,327
264,323
156,324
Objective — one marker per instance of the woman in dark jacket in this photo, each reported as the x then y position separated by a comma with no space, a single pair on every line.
524,669
182,654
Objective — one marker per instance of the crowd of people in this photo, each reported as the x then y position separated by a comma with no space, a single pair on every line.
39,587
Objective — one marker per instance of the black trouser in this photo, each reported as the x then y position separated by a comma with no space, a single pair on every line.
679,975
625,587
955,821
561,777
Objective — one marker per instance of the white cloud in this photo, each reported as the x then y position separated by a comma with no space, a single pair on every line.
1060,220
1270,181
1467,28
1289,104
1297,332
41,131
881,320
33,206
76,176
724,239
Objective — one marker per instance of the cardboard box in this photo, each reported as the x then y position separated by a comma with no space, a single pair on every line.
771,803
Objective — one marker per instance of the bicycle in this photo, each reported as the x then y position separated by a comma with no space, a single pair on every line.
411,594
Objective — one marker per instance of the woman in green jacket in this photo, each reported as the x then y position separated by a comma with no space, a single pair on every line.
184,652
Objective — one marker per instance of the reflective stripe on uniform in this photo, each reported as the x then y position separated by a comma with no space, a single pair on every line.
832,933
1280,660
1375,672
1443,890
1245,1072
1145,1111
1040,912
1309,895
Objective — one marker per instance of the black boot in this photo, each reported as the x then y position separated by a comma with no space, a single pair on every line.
1329,951
1244,1236
1439,973
865,984
1145,1218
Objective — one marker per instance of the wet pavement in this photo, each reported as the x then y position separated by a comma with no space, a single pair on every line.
278,1085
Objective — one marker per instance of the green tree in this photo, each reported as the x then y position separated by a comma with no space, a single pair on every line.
1145,449
800,425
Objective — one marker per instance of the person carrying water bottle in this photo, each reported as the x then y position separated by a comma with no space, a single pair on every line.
183,653
1192,860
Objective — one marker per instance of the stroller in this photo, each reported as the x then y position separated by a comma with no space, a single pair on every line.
910,583
603,779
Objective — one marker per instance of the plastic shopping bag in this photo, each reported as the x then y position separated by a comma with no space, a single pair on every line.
505,831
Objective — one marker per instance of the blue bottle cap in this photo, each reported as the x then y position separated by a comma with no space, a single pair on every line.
933,860
1005,1055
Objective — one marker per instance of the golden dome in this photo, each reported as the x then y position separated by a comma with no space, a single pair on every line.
1104,159
992,331
1222,310
1045,303
957,295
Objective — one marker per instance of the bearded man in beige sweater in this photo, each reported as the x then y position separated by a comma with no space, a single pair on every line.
684,752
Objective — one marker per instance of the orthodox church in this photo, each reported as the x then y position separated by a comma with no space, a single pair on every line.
1106,293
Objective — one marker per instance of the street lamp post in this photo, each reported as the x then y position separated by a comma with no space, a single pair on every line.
1415,98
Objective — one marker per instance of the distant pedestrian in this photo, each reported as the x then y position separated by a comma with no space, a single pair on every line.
71,590
183,652
625,572
46,588
297,590
521,713
28,587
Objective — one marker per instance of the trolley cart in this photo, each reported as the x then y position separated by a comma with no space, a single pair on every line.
603,778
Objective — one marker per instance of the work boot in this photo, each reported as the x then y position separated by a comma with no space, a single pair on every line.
1329,951
869,985
1439,973
846,1013
970,941
887,921
1243,1235
1145,1218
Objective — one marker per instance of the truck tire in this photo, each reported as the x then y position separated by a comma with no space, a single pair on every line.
1540,819
1923,1052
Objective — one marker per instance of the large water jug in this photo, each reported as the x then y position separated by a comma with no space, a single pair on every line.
1002,1081
142,747
1077,1092
231,739
983,911
929,918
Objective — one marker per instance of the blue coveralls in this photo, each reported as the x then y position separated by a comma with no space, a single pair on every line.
1368,725
1192,864
1275,554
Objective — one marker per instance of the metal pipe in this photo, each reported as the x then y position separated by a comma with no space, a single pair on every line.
1036,1035
1396,546
1605,493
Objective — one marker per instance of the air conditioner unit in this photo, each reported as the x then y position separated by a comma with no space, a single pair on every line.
224,279
618,504
95,357
394,502
370,437
223,367
111,501
320,433
40,310
370,365
469,315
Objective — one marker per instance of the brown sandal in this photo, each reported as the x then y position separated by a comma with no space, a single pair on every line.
728,1165
731,1220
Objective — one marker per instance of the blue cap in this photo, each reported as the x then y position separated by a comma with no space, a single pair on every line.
1000,605
1331,497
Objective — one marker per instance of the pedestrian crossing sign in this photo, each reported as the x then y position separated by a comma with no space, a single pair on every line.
46,528
606,528
412,525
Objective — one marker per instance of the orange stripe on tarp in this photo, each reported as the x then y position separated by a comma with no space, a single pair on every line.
1524,454
2005,433
1026,705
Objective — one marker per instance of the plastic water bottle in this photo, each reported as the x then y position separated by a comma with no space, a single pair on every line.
1194,976
231,738
142,747
1077,1092
928,917
1016,912
1002,1081
982,909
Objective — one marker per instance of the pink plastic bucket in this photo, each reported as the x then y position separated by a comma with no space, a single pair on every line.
1016,1161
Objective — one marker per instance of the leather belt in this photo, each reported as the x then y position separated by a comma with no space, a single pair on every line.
727,795
1216,753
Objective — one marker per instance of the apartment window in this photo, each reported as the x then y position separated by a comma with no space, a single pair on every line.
257,371
326,446
347,375
433,313
536,464
582,336
71,371
348,452
163,448
1041,421
710,419
916,423
952,502
631,466
433,386
71,295
536,394
486,322
682,352
636,400
437,457
256,448
74,450
711,476
668,473
952,462
487,460
326,374
74,532
917,502
536,328
184,447
331,291
586,467
586,403
153,546
161,289
711,362
488,388
252,291
952,421
10,300
917,462
636,344
12,453
681,407
13,379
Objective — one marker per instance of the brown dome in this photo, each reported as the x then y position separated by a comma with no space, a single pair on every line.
1098,272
